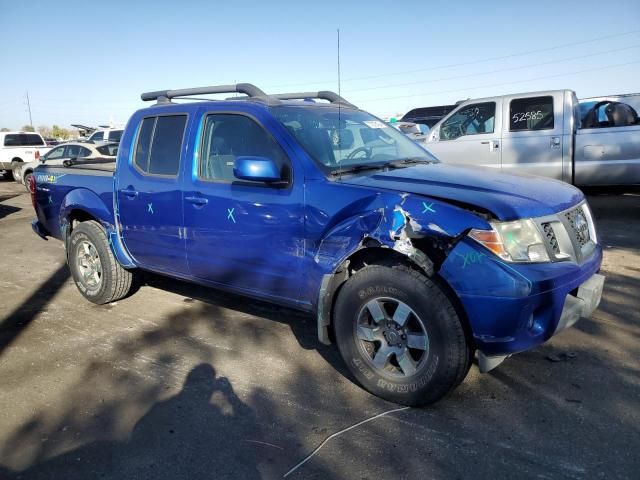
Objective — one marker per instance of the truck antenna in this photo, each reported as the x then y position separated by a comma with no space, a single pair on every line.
339,119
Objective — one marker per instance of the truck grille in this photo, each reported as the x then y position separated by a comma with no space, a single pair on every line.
578,225
550,238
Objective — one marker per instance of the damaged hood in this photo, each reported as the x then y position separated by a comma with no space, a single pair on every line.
507,196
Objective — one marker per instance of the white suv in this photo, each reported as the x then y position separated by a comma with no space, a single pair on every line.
17,148
106,135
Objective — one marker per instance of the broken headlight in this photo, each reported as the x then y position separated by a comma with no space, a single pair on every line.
517,241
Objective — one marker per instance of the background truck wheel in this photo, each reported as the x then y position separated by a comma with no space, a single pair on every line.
400,335
15,171
96,272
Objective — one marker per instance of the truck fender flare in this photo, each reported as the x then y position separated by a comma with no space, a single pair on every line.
91,205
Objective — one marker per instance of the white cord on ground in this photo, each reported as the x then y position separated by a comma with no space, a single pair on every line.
308,457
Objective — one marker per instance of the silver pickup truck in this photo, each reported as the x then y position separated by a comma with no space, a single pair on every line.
591,142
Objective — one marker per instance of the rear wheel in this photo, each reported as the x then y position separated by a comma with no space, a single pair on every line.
96,272
400,335
27,178
15,171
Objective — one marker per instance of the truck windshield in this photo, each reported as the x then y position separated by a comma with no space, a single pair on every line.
345,138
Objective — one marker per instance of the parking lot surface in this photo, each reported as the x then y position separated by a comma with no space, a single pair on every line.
179,381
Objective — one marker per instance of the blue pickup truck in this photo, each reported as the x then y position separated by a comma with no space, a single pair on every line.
412,267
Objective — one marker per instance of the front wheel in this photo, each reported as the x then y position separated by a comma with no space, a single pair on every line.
96,272
400,335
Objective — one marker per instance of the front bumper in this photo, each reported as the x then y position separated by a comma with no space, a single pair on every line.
583,304
515,307
39,229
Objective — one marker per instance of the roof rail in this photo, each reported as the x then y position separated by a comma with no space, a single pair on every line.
324,95
165,96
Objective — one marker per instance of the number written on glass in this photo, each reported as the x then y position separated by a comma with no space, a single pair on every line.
523,117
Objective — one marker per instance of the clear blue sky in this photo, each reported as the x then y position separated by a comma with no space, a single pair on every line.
88,61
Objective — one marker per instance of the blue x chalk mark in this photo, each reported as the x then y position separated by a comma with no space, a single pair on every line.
428,208
230,215
50,199
150,208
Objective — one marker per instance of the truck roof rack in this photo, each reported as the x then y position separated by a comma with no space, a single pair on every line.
165,96
248,89
323,95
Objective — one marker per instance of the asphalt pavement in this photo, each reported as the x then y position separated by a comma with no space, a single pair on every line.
178,381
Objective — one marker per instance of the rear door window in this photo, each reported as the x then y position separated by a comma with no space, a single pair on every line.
23,140
115,135
474,119
159,144
534,113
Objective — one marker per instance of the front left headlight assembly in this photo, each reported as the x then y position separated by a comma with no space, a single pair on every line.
516,241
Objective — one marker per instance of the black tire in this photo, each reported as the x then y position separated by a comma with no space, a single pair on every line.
26,180
440,364
113,282
15,171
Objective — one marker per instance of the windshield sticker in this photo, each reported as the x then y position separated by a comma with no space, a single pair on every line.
375,124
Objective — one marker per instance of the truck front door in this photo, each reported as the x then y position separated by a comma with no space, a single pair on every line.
469,135
532,136
149,194
240,234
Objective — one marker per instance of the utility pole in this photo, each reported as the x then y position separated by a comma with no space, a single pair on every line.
29,108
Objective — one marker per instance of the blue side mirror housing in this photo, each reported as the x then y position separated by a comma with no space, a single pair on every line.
256,169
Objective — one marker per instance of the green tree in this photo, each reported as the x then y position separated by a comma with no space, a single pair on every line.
5,129
59,132
28,128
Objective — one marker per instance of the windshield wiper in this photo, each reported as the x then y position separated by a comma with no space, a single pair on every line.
409,161
359,168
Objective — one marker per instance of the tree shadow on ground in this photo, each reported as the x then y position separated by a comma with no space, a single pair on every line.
20,318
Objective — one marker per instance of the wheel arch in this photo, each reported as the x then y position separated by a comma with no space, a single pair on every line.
82,205
374,253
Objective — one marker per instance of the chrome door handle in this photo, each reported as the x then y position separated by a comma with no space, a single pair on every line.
199,201
129,193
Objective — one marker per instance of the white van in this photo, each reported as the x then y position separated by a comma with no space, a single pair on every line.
17,148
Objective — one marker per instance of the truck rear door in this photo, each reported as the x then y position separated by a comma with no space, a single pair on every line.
607,146
470,135
244,235
532,135
149,193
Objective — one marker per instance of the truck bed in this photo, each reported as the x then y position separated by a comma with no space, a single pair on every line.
61,189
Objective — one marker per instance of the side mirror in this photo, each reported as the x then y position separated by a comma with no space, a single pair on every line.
257,169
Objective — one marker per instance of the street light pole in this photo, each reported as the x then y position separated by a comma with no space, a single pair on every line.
29,107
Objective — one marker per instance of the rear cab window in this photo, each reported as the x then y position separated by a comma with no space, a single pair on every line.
159,145
533,113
